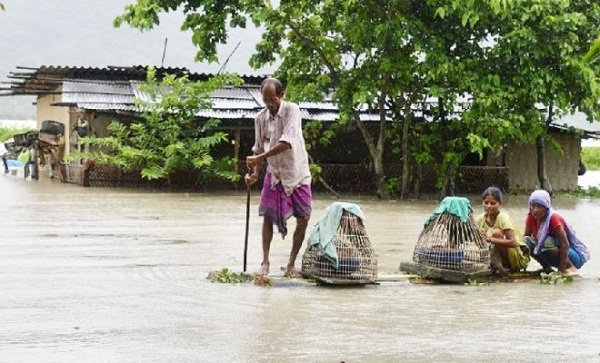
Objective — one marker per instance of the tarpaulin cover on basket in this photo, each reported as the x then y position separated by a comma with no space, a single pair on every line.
338,246
450,239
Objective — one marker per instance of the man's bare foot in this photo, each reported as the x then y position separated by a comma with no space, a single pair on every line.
263,270
291,272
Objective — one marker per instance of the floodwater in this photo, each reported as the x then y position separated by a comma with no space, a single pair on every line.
589,179
110,275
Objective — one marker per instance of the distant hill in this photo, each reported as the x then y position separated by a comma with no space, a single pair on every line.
80,33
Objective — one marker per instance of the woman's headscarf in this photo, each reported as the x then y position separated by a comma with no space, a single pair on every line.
541,197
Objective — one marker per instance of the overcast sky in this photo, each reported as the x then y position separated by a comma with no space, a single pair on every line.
80,33
77,32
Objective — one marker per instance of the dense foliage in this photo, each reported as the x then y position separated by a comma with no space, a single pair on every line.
170,137
535,68
593,55
454,76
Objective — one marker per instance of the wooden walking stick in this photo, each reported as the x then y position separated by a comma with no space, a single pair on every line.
247,226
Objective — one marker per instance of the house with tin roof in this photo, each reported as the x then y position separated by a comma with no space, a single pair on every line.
92,97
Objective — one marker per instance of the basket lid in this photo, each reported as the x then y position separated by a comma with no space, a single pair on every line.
458,206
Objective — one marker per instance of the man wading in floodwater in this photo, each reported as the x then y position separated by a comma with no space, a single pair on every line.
286,189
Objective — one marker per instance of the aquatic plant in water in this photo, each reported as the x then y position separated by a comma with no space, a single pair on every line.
225,276
228,277
554,278
473,282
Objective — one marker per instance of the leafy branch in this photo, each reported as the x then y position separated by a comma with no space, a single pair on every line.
168,136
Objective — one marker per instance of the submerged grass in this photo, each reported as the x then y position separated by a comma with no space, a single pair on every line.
590,156
8,132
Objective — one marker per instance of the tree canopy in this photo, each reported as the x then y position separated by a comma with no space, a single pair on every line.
456,76
533,70
593,55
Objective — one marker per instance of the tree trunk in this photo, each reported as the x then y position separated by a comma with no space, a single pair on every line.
541,155
541,164
376,149
449,181
417,184
381,187
376,154
405,150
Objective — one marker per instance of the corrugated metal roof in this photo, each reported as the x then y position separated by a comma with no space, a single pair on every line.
246,101
233,93
116,88
333,116
257,96
97,87
579,121
97,92
45,79
228,114
97,106
224,104
319,105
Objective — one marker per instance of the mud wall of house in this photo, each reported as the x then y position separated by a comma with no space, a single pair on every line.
45,111
561,168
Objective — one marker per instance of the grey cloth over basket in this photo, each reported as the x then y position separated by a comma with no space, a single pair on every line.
324,231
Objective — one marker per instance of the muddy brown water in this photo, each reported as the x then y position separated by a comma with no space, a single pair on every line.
108,275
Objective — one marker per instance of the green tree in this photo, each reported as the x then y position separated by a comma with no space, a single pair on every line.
374,56
533,69
593,55
169,136
336,51
507,56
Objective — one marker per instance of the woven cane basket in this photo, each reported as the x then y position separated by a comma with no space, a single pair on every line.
356,257
449,243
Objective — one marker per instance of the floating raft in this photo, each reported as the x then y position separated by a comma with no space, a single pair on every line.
306,280
409,272
332,281
436,273
454,276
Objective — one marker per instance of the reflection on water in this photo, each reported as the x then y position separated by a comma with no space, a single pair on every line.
101,275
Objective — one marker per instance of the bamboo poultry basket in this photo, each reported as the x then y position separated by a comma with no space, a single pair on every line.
449,243
357,263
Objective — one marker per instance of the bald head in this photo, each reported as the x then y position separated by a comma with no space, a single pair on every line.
272,92
272,82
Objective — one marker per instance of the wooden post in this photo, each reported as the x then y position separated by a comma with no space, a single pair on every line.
236,145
